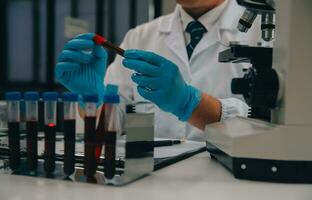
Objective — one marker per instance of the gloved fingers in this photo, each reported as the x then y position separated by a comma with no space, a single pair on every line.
99,52
142,67
146,56
79,44
101,62
100,68
147,94
76,56
62,67
86,36
145,81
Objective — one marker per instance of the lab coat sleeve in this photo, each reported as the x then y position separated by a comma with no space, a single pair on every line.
232,107
117,74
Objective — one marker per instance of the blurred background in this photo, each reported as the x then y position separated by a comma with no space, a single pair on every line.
33,32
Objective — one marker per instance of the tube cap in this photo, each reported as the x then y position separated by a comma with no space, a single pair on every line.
13,96
49,96
69,96
31,96
99,39
111,94
91,97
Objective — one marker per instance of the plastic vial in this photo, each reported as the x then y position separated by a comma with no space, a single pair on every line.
50,102
69,101
31,105
13,102
100,135
90,101
113,128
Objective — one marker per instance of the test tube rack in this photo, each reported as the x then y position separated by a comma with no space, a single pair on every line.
137,160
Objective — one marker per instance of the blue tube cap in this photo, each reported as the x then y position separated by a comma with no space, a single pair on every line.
91,97
111,99
31,96
49,96
111,94
13,96
69,96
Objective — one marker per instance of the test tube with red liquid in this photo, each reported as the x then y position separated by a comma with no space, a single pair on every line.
31,105
69,101
13,108
113,124
90,165
100,40
50,103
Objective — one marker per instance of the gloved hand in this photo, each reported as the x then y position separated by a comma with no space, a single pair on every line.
160,81
81,66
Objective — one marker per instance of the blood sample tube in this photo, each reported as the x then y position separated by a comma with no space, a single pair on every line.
100,40
50,102
69,101
100,134
13,102
90,101
113,126
31,105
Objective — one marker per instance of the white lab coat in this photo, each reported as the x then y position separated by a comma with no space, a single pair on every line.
164,36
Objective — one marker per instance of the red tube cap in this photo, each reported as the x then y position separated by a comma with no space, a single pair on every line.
99,39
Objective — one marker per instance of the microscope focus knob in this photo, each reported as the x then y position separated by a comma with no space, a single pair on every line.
240,86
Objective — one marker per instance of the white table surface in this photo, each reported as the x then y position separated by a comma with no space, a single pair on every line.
198,177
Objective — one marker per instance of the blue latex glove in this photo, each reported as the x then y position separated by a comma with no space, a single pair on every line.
160,81
81,66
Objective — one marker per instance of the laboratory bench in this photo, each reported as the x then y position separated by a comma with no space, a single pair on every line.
198,177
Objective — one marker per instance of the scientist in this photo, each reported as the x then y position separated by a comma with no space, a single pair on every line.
182,76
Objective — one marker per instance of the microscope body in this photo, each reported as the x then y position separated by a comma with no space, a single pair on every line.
274,142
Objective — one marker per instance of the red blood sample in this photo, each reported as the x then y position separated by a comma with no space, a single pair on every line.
90,142
32,145
49,149
14,145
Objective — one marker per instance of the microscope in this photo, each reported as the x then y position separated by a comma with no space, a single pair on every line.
274,143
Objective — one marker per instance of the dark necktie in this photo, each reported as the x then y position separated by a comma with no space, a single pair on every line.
196,30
